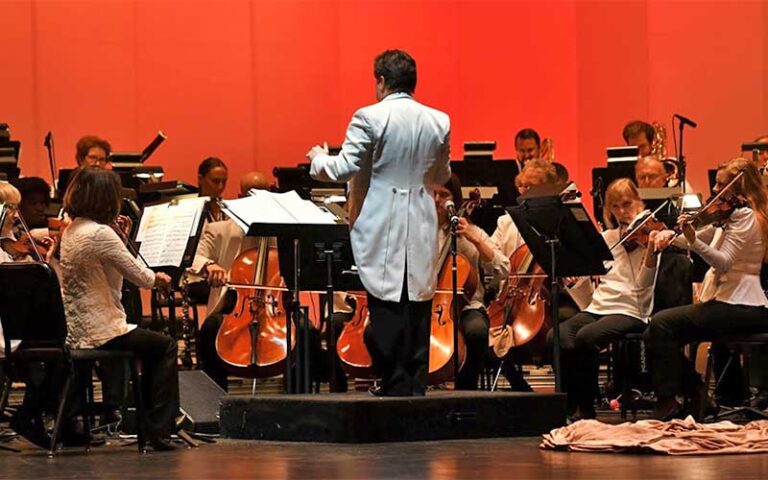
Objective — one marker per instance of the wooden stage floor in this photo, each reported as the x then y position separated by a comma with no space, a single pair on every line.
470,459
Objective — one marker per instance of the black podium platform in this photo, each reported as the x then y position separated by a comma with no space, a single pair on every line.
361,418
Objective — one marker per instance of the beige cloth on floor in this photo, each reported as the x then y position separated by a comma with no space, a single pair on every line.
676,437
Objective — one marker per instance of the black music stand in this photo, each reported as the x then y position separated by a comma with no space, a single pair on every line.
563,240
316,255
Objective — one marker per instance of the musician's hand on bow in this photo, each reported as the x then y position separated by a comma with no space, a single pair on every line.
684,222
52,245
217,276
162,281
317,150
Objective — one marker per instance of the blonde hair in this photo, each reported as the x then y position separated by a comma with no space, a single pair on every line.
541,169
750,186
619,188
9,194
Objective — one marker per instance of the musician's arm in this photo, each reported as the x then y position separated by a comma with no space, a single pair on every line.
492,261
734,240
206,252
113,252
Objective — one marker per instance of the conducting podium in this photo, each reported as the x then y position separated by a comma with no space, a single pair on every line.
313,250
563,241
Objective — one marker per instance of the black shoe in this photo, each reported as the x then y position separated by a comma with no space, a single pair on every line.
668,409
376,391
702,404
71,438
760,401
31,428
160,444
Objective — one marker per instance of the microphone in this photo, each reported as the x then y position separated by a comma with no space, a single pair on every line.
47,142
451,207
685,121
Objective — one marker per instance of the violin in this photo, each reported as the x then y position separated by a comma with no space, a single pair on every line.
637,236
719,207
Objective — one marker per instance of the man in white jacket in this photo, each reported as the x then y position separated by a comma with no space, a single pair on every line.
395,151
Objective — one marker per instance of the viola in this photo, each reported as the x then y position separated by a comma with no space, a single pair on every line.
252,338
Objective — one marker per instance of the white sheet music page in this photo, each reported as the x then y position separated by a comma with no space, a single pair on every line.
165,229
262,206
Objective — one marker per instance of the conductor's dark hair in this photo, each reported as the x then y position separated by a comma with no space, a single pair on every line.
635,128
528,133
398,69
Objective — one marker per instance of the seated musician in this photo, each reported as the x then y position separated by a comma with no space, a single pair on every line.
92,151
507,239
621,303
650,172
35,199
762,157
639,134
487,262
212,180
220,244
732,300
94,261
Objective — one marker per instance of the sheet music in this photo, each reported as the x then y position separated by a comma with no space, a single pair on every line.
165,229
262,206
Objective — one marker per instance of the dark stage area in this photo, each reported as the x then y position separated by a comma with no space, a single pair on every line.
472,459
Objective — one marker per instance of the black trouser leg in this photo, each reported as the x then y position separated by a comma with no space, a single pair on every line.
398,341
160,378
474,325
672,328
209,358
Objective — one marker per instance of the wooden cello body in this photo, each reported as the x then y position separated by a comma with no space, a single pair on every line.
252,338
522,306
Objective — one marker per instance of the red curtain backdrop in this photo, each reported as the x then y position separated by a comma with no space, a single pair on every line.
258,83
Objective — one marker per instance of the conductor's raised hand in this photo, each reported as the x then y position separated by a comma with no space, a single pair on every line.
317,150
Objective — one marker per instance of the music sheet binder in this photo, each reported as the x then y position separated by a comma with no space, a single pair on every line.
168,232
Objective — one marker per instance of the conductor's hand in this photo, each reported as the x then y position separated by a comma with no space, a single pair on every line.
162,281
317,150
217,276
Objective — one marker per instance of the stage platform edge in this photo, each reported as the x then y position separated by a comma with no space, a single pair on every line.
362,418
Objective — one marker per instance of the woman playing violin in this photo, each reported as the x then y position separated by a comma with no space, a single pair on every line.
732,300
94,261
622,302
486,261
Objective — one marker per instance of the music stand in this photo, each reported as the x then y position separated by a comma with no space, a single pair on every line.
602,177
316,255
563,240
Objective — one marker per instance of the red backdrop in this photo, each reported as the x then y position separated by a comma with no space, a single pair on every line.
258,83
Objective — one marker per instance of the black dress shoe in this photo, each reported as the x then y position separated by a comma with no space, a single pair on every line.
31,428
80,439
668,409
160,444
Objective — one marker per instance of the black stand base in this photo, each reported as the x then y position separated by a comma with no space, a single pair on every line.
361,418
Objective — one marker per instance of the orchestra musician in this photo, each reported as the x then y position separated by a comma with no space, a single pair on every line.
220,243
650,172
507,239
92,151
731,300
639,134
487,262
394,153
762,157
621,303
94,261
527,146
212,180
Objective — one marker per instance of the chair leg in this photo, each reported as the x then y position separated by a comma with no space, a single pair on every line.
6,393
86,370
138,400
62,406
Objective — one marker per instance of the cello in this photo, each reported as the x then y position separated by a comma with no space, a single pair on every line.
252,338
522,306
350,346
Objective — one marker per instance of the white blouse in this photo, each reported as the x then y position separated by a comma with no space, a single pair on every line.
627,288
94,261
735,254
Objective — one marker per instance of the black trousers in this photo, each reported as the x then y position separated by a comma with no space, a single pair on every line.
207,356
160,378
582,337
474,326
398,341
670,329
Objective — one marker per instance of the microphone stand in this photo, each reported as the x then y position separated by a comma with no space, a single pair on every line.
455,289
681,158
